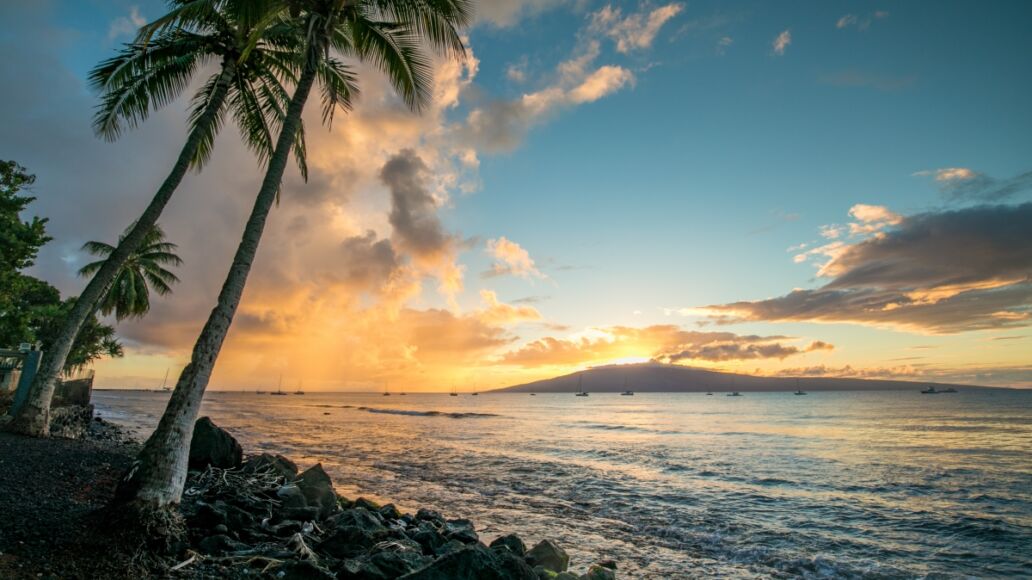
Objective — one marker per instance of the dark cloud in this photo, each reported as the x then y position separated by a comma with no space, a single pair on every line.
368,263
723,346
413,208
982,187
942,272
665,343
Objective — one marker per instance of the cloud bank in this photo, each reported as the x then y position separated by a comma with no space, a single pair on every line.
935,272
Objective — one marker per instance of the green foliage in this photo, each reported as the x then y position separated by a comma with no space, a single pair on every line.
30,309
129,294
19,241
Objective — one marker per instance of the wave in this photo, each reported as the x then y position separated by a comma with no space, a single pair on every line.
425,413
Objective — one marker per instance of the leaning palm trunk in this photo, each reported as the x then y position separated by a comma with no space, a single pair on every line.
156,479
33,418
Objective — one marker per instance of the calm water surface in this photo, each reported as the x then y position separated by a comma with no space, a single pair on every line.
875,485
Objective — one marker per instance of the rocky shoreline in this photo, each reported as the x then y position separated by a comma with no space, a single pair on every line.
263,517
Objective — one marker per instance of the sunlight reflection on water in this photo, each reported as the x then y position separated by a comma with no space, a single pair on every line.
879,484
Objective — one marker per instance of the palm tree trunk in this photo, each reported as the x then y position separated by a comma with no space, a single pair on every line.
156,479
33,418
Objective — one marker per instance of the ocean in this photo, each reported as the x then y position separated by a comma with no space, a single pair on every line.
767,485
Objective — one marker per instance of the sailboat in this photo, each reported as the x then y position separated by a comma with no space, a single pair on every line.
930,391
627,392
299,390
279,387
798,391
709,393
453,393
165,387
580,386
386,393
734,394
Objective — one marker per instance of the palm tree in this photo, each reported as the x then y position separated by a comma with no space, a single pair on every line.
150,73
393,36
129,295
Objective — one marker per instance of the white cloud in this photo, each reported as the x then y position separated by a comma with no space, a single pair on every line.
635,32
781,42
510,258
860,22
126,25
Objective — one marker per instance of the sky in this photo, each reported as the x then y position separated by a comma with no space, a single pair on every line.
800,189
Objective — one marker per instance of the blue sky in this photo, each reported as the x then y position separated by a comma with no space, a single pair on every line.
681,184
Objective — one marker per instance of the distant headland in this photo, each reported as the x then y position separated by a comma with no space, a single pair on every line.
654,377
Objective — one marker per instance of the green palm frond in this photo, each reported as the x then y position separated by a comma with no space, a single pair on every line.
434,21
395,51
129,294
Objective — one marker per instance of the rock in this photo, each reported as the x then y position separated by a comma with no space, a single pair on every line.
220,529
450,547
302,570
566,576
213,446
360,518
207,517
398,557
428,537
356,531
513,566
390,512
510,542
317,488
291,496
274,463
471,562
549,556
461,530
301,514
367,504
219,544
596,572
611,564
430,516
239,519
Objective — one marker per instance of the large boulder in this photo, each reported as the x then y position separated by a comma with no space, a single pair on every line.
474,562
510,542
355,531
212,445
461,530
317,488
549,556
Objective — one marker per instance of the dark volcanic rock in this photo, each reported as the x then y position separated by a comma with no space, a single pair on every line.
428,537
275,463
356,530
367,504
390,512
318,490
212,445
291,496
430,516
510,542
548,555
473,562
461,530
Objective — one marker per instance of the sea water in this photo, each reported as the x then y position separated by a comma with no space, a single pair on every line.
853,484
